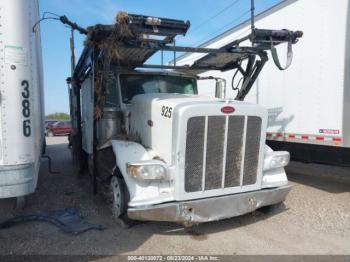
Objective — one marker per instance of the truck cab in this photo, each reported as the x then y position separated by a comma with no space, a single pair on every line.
174,155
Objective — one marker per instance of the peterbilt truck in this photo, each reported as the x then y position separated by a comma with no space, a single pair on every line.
156,148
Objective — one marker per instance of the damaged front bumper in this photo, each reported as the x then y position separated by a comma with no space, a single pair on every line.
210,209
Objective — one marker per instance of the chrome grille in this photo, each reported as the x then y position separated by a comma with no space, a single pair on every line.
194,153
234,151
251,150
215,147
215,151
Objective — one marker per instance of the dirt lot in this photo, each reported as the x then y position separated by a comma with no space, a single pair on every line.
314,220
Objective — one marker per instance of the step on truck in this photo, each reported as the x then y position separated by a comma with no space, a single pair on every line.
158,149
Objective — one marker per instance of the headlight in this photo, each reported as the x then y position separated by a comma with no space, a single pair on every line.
148,170
276,159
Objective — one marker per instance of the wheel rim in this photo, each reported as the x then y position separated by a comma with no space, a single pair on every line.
116,197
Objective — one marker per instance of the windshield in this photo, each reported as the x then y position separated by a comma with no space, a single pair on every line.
132,85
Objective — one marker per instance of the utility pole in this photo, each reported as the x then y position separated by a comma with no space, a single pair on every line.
72,53
252,22
252,14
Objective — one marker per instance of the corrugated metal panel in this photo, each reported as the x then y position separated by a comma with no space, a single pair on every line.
132,57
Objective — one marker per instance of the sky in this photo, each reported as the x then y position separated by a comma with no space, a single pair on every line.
208,19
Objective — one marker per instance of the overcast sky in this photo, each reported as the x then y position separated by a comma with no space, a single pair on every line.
55,36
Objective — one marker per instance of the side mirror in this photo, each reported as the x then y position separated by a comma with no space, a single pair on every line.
220,88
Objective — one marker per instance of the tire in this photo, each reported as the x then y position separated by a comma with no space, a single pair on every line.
119,201
50,134
43,150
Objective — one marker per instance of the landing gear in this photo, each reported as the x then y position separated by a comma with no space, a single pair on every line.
20,202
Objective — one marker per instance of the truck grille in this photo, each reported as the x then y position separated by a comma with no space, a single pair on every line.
215,156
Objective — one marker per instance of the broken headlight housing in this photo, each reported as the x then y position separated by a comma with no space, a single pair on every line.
147,170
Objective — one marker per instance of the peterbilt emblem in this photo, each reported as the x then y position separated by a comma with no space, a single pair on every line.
227,109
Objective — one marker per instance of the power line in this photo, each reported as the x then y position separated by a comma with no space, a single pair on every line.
214,16
216,33
228,24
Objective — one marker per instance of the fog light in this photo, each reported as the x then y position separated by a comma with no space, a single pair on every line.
150,170
275,160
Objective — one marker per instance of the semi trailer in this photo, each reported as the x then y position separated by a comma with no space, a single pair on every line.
21,98
308,104
158,149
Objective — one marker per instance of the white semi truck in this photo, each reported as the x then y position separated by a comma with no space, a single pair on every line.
21,98
308,104
164,152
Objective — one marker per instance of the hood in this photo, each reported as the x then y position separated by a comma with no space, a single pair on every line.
154,118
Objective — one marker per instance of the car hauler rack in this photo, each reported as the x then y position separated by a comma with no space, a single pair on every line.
133,39
119,102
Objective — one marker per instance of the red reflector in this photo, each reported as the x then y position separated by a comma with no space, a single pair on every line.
227,109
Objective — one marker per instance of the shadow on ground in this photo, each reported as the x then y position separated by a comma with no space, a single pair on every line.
331,179
67,189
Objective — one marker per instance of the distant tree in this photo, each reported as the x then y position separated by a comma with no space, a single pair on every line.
58,116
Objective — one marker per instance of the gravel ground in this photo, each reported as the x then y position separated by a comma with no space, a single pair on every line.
315,219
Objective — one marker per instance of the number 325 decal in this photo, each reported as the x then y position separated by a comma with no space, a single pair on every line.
27,130
167,111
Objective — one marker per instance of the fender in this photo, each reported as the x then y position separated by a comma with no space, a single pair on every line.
275,177
141,192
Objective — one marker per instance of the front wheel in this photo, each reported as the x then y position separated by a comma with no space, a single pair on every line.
119,201
118,197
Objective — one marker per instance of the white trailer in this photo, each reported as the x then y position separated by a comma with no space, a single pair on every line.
21,101
308,104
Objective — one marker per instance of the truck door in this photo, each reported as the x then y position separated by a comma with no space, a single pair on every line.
87,102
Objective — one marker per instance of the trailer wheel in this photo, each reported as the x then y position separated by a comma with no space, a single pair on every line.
119,201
